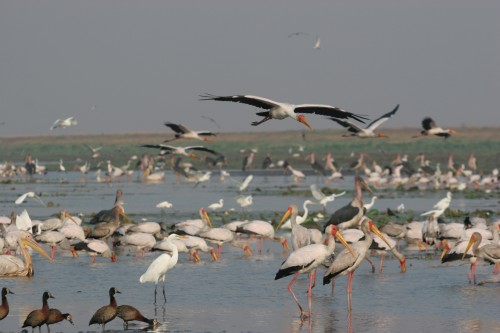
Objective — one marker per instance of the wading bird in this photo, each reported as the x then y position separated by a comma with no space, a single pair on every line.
12,266
37,318
347,262
56,316
489,253
278,110
108,312
305,260
369,131
160,266
129,313
4,308
350,215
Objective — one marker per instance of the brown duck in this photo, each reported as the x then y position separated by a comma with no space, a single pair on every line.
55,316
40,316
108,312
129,313
4,308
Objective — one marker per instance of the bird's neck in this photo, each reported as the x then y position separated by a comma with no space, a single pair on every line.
5,303
112,301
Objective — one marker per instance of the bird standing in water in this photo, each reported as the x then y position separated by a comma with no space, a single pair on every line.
129,313
4,308
40,316
108,312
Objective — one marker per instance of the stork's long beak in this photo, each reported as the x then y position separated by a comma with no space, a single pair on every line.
343,241
403,265
214,256
125,217
471,241
248,250
285,217
193,155
285,245
209,139
68,215
205,216
377,232
446,248
35,246
302,119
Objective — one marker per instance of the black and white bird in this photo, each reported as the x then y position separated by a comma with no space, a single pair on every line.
279,110
184,151
181,132
306,260
369,131
430,128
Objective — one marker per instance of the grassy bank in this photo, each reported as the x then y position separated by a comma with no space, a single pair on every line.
483,142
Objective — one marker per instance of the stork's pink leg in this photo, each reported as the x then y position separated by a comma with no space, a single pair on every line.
371,263
496,269
309,292
137,254
381,262
475,266
260,246
303,314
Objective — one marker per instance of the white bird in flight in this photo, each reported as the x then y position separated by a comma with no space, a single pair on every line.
317,44
63,123
23,197
279,110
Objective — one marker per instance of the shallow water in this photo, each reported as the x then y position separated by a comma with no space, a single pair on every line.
238,294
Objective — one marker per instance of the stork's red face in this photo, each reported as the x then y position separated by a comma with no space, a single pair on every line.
402,262
302,119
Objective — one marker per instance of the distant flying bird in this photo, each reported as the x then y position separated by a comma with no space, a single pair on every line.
95,151
367,132
298,34
166,149
63,123
23,197
181,132
430,128
212,120
317,44
278,110
243,185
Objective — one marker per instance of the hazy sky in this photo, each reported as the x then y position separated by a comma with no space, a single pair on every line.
145,62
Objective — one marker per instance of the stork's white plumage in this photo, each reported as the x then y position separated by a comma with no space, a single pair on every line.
369,131
305,260
278,110
181,132
346,263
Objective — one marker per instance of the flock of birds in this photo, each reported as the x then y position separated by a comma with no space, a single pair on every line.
311,248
